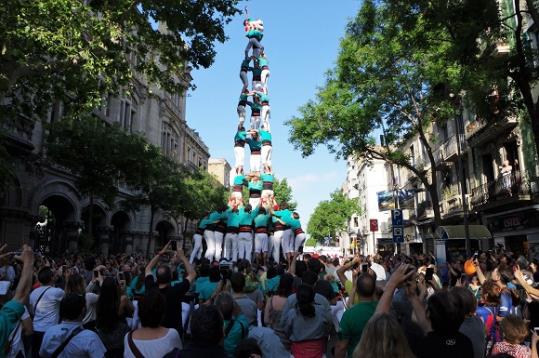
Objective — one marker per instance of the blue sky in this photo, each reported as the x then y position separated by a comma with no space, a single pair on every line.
298,65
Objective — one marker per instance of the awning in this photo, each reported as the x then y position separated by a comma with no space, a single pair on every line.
457,232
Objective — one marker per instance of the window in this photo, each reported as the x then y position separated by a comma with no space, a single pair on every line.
56,112
108,106
169,140
356,221
412,155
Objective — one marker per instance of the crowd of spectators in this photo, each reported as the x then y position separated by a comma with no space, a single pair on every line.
317,306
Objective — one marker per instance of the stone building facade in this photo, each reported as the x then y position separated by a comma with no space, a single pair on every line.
44,206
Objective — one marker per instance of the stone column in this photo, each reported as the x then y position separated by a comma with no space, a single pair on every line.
103,235
15,227
127,242
72,233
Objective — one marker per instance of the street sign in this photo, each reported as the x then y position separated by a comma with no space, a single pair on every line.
398,228
398,234
396,217
374,225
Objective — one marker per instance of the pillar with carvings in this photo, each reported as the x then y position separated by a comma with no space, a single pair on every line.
103,236
72,233
127,242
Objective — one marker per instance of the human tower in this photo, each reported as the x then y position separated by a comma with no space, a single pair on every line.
231,231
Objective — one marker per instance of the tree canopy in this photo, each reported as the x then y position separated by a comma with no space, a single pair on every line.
387,81
331,216
80,51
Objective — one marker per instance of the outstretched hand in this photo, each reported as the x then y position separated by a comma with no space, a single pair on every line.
401,275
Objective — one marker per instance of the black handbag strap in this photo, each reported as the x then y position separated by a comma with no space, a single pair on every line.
133,347
64,344
38,299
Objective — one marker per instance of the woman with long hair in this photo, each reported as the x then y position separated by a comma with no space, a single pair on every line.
383,337
111,326
308,325
75,284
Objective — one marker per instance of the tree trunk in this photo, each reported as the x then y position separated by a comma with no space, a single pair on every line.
184,231
91,216
150,230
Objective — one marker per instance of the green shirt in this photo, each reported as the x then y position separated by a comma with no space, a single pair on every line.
293,223
255,185
232,218
261,220
285,215
239,180
214,217
354,321
238,331
263,97
255,106
254,144
265,136
203,223
240,136
246,218
10,314
262,61
205,288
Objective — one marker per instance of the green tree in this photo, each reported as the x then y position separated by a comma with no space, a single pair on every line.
283,193
331,216
492,41
202,193
96,153
384,82
80,52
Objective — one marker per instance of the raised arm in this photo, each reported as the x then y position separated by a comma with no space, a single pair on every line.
25,282
347,266
397,278
153,262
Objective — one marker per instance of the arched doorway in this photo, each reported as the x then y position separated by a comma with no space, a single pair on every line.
164,231
120,224
55,219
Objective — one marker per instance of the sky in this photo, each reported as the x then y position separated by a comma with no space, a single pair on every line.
298,65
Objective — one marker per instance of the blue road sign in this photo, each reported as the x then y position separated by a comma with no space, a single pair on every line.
396,217
398,228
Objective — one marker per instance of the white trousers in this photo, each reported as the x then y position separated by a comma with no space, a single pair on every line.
266,154
254,162
231,246
239,156
298,241
244,78
276,244
254,202
197,247
288,241
271,239
265,114
255,122
261,243
218,237
245,245
241,115
264,76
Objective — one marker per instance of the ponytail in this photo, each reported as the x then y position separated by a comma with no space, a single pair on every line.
305,296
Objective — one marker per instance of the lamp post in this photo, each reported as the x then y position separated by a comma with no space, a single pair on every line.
461,173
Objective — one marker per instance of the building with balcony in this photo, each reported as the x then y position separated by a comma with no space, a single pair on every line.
43,205
363,181
220,169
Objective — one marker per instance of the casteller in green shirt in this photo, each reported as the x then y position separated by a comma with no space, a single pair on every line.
354,321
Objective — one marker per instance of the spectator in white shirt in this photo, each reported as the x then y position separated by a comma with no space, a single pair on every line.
45,306
152,339
69,338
